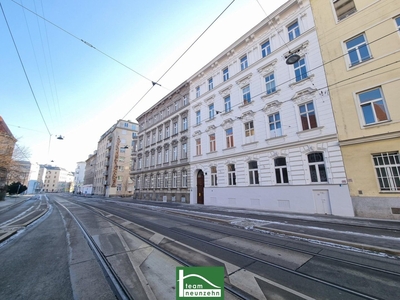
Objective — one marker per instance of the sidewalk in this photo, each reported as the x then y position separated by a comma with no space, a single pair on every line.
10,201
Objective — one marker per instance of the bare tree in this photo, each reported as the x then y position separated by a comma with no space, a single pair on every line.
19,165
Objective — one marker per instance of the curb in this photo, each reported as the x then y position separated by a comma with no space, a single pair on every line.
24,225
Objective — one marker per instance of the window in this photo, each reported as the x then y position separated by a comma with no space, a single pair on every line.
158,180
317,167
300,69
275,125
231,174
373,106
166,156
175,128
387,167
119,187
168,110
148,140
161,114
211,111
244,63
184,178
249,131
152,181
176,105
165,180
167,131
246,95
174,179
146,181
119,178
185,100
175,153
398,23
214,176
253,172
210,84
197,91
140,163
281,174
184,150
159,134
270,83
212,143
153,137
265,49
184,123
198,146
140,143
307,116
227,102
139,183
147,161
225,74
358,50
153,159
198,117
293,31
159,158
229,138
344,8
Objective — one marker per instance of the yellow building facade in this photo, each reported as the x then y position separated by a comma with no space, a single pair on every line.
360,45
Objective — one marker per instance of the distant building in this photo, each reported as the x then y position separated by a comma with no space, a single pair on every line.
114,161
360,48
79,176
53,179
19,172
162,166
88,181
7,144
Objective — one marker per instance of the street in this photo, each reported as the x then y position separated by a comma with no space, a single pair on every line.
99,248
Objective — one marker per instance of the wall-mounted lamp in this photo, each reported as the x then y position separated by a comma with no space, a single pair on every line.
292,57
126,147
218,112
60,137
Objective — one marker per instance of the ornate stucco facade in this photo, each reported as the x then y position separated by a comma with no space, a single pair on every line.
263,134
162,163
360,45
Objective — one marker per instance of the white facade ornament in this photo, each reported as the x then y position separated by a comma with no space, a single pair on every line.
227,123
197,106
226,91
272,107
210,99
247,116
304,96
211,129
268,68
242,82
197,132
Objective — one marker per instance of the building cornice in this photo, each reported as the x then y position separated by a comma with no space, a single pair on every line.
369,139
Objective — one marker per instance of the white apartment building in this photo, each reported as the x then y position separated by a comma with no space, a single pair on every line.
52,179
79,176
114,161
162,166
263,134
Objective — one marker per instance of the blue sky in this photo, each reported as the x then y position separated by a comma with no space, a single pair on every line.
82,92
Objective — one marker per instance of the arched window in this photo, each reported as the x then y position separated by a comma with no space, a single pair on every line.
317,167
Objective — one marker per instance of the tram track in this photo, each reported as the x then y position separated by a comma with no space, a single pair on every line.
251,257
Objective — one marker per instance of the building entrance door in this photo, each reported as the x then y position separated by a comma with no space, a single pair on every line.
200,187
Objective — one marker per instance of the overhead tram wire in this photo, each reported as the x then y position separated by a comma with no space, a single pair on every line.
83,41
23,67
156,83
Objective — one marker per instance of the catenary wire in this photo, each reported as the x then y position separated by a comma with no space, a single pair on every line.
23,67
156,83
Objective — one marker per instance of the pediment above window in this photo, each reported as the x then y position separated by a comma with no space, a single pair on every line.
227,123
183,139
159,148
268,68
184,113
197,132
209,100
244,80
226,91
174,142
272,107
247,116
304,96
211,129
197,106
